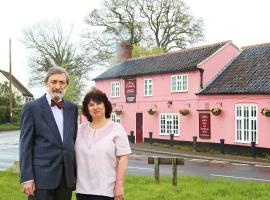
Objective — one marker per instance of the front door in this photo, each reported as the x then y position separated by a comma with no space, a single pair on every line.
139,127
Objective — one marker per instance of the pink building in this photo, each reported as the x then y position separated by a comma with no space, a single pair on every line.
177,93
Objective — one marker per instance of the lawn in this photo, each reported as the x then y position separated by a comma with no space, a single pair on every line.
9,126
143,188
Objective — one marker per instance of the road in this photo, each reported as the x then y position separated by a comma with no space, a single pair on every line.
204,168
9,144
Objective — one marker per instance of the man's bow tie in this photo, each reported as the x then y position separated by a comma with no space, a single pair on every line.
59,104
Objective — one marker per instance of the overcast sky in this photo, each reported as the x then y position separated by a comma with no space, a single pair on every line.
245,22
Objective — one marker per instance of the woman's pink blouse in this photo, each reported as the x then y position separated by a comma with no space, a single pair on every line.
96,157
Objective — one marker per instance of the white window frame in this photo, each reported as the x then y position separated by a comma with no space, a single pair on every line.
180,84
169,117
148,87
115,118
115,89
246,123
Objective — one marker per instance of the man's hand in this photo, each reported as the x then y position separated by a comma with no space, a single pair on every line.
29,188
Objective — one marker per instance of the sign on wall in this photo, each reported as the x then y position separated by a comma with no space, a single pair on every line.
204,126
130,90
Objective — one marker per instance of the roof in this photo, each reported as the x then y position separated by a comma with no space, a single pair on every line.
181,60
17,84
248,73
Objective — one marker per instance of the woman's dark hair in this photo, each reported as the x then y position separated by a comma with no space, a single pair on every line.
98,97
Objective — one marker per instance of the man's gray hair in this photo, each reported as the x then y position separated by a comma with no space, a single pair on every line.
56,70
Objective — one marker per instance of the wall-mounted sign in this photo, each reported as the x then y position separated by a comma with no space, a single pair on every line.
204,126
130,90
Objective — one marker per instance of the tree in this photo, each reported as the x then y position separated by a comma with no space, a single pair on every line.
171,24
107,26
50,45
166,24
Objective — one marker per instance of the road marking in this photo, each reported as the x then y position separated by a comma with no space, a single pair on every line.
141,168
199,160
240,164
239,177
219,161
262,166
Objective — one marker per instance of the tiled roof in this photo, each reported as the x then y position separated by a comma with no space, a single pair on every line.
248,73
17,84
182,60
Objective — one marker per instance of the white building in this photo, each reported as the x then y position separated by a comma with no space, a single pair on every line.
17,87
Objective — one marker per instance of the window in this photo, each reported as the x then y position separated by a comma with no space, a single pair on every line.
115,117
246,123
148,87
115,89
168,124
179,83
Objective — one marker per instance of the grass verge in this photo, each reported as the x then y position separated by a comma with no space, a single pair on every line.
9,126
143,187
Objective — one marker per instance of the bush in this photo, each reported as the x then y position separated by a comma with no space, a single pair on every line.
3,114
16,114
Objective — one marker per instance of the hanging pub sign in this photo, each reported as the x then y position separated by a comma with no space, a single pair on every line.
130,90
204,125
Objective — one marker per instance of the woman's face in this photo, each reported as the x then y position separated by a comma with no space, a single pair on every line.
96,109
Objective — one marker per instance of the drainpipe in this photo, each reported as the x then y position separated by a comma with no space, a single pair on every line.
201,77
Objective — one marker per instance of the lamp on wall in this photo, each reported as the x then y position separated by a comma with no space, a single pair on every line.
169,103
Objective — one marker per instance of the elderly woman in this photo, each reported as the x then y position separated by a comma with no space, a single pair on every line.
101,151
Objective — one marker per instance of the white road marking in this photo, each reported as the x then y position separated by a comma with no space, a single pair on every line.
238,177
219,161
240,164
266,166
199,160
141,168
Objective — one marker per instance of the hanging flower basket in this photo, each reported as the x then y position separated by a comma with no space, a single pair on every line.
118,111
184,112
152,110
216,111
266,112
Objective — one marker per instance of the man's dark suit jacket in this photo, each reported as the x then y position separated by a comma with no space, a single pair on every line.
42,152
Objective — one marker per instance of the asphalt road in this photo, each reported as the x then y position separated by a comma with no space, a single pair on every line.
205,168
9,144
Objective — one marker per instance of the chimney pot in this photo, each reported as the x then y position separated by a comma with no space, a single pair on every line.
124,51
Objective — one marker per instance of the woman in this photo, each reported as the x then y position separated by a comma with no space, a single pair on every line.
101,151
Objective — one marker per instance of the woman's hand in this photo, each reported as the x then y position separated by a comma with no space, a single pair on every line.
118,193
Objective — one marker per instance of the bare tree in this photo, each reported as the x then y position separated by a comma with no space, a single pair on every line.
171,24
118,20
51,45
165,24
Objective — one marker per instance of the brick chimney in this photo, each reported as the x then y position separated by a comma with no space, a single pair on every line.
124,51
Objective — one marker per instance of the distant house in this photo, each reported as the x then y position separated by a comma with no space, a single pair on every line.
17,87
211,93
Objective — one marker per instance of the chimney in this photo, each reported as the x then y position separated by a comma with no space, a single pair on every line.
124,51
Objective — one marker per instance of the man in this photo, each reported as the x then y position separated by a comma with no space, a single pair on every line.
48,133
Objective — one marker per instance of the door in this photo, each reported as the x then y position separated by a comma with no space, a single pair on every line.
139,127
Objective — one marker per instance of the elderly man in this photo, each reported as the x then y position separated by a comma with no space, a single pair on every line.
48,133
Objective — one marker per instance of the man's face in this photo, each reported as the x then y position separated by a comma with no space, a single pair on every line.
56,86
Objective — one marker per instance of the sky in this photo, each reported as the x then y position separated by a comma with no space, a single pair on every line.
245,22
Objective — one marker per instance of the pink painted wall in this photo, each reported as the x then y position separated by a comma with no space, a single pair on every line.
217,61
223,126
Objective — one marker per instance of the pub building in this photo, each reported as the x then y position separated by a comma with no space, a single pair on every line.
217,93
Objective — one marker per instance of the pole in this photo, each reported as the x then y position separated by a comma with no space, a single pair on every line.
10,85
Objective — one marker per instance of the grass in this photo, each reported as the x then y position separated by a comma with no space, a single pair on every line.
143,187
9,126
